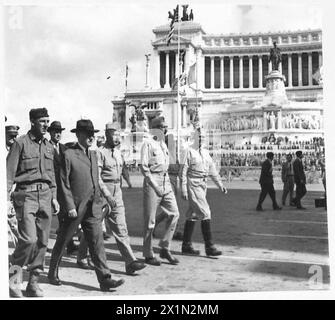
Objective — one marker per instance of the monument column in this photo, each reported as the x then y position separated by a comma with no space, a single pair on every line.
212,72
280,67
222,73
241,71
176,65
270,66
320,59
299,70
265,121
279,120
250,73
200,69
167,70
289,70
231,72
260,72
157,66
310,70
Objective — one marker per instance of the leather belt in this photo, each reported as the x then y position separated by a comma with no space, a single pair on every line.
111,181
163,174
33,187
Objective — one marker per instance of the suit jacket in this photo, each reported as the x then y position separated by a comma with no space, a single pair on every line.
58,163
266,173
299,173
79,179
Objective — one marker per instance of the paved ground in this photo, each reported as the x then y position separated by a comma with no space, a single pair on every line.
264,251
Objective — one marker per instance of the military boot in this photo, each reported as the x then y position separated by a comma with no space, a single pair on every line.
33,290
15,282
187,247
207,235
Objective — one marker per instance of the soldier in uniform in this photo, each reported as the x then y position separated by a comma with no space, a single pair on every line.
196,166
83,202
11,134
111,164
30,166
157,192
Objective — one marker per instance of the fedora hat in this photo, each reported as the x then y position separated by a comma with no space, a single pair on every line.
55,125
84,125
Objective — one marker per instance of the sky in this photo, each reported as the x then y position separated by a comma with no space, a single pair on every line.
59,56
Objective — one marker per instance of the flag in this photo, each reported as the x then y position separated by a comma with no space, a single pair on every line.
172,24
182,81
191,78
126,76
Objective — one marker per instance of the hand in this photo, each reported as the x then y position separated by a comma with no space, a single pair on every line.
73,213
56,206
111,201
223,190
10,209
184,195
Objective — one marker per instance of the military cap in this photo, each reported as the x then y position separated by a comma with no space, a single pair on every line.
12,129
55,125
158,122
84,125
38,113
112,126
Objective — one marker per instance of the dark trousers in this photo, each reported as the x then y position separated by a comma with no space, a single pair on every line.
299,193
33,213
91,225
267,188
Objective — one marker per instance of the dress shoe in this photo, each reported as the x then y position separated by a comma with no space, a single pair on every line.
301,208
109,283
166,254
84,265
212,251
153,261
134,266
55,281
259,208
33,290
292,204
188,249
277,208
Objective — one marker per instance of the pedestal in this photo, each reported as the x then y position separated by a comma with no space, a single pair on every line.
275,94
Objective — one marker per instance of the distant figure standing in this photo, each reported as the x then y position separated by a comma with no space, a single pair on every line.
191,17
266,182
287,176
275,56
300,180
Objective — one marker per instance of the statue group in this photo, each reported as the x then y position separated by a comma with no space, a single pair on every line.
138,119
184,17
237,123
301,121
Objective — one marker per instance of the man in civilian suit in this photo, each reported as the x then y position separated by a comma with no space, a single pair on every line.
83,202
299,179
55,131
266,182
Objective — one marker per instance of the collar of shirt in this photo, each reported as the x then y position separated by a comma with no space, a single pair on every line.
33,138
83,148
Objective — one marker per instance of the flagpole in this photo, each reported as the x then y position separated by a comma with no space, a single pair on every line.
178,84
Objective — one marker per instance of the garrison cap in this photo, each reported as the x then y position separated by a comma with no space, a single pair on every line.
38,113
12,129
113,126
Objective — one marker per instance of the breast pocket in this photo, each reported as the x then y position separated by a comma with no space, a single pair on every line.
49,161
29,162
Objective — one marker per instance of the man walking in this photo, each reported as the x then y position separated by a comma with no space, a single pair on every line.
55,130
30,166
299,179
83,202
157,192
196,166
111,164
287,176
266,182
